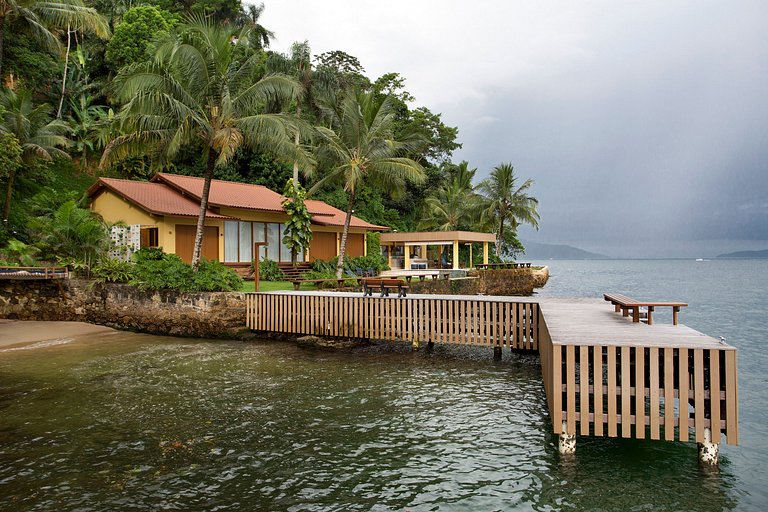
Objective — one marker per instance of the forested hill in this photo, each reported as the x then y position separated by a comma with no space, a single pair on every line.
539,251
745,254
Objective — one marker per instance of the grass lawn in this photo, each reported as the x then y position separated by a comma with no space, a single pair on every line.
274,286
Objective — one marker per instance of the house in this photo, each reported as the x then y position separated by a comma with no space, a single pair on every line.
166,209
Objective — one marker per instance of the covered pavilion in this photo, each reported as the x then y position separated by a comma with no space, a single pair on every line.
408,251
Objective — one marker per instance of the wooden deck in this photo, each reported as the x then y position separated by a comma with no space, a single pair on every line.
603,374
33,273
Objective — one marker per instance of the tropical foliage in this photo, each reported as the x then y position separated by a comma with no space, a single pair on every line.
360,147
508,204
194,87
298,228
39,137
200,88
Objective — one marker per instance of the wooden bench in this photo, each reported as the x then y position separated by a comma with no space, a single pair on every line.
339,282
626,304
384,285
421,277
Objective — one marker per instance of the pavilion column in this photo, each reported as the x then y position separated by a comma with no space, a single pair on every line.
485,253
455,254
424,251
389,255
470,255
406,257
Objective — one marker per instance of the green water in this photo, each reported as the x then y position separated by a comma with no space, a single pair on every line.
137,422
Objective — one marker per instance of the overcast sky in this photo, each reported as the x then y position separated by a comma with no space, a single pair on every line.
644,124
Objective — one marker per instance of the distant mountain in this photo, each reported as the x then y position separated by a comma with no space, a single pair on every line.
745,254
538,251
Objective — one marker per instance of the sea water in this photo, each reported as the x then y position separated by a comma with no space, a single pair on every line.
126,421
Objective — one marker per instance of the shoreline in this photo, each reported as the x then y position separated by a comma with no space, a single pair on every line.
19,333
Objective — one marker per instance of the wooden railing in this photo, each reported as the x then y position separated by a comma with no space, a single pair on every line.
441,320
635,391
34,273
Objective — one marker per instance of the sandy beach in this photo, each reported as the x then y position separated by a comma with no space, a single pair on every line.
18,333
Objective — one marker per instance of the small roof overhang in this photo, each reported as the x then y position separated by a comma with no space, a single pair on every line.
436,237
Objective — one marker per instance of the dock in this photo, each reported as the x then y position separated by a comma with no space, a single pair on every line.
604,375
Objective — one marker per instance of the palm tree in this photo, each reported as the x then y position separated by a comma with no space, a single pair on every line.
87,124
298,64
72,232
260,36
447,209
509,205
41,16
454,205
79,21
361,148
196,90
39,137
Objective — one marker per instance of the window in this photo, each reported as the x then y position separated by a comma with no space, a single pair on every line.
239,238
273,238
246,241
231,246
150,237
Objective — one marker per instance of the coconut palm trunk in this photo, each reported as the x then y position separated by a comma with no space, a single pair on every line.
498,237
64,75
344,233
8,191
200,231
2,44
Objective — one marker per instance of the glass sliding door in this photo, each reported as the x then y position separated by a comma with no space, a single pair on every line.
231,239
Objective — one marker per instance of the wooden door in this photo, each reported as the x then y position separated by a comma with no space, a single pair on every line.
322,246
185,242
355,245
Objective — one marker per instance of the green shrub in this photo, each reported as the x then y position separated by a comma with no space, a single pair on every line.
155,270
325,266
375,261
18,253
113,270
213,276
166,273
270,271
148,254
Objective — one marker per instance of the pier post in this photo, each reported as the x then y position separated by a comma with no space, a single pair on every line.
567,442
708,451
497,353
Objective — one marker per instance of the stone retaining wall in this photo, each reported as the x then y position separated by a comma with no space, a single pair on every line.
509,282
203,315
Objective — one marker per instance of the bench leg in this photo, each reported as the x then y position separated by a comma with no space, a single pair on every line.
650,315
624,311
616,308
675,311
636,314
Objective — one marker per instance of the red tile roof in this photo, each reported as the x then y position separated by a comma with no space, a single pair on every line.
157,198
335,217
172,194
229,193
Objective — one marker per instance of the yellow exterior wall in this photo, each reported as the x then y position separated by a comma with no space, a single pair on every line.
113,208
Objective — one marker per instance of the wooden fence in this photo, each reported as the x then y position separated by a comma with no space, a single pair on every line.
635,391
439,320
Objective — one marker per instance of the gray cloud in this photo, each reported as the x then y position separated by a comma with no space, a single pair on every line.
644,124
